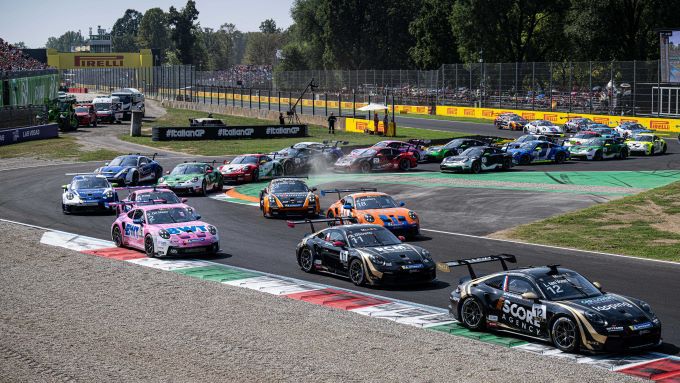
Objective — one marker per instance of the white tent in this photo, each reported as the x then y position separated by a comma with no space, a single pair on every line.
371,107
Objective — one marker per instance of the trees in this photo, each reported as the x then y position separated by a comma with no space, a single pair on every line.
153,31
261,46
434,41
183,31
125,30
64,42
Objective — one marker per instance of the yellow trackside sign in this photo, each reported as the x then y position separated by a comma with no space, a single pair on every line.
85,60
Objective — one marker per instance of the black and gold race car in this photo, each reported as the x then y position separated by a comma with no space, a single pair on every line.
367,254
553,304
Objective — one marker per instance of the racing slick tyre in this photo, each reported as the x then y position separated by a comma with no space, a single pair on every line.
288,168
94,123
306,260
220,185
204,189
65,209
256,175
472,314
356,272
651,151
116,236
665,148
135,179
476,167
404,164
149,247
623,154
525,160
560,157
507,164
158,175
598,156
365,167
565,334
417,156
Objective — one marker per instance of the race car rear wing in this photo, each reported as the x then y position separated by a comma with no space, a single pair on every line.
152,155
334,143
340,191
502,258
330,221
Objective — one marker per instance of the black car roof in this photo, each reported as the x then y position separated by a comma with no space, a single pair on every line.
355,226
536,272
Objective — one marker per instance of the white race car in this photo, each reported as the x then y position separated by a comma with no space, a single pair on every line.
542,127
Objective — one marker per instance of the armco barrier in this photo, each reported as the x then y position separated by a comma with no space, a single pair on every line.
227,132
40,132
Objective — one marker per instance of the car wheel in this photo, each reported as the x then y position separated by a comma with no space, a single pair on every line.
287,168
651,151
476,167
559,158
149,247
306,260
472,314
116,236
135,179
565,334
204,189
665,148
94,123
365,167
417,156
256,175
623,155
525,160
356,272
598,156
507,164
220,185
404,164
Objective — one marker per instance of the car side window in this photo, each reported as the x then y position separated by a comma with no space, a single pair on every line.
349,200
131,214
519,285
143,161
334,235
132,196
138,214
496,282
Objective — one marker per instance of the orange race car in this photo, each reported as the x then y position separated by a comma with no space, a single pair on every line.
289,196
370,206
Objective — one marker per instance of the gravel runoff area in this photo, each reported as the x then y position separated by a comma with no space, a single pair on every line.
67,316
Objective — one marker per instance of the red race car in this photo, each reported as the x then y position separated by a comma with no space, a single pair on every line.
375,159
86,115
250,168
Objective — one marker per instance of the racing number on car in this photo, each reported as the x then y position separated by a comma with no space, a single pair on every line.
376,161
344,255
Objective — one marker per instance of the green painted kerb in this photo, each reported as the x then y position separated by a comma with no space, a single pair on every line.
458,329
218,273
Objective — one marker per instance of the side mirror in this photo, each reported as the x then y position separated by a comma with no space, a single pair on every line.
402,203
347,206
138,221
402,238
314,189
106,164
64,187
197,216
598,285
167,172
225,162
208,171
339,243
529,296
184,200
263,162
114,184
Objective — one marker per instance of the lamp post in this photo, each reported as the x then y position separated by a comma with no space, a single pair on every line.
481,77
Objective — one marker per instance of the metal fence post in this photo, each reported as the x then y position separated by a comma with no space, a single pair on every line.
240,93
339,104
571,84
533,86
250,98
233,97
550,68
211,92
269,99
500,89
279,100
658,88
590,85
354,103
313,106
325,103
634,86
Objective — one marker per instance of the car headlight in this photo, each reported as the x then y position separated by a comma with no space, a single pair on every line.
212,229
369,218
311,198
272,200
164,234
195,179
595,318
69,196
108,194
161,180
412,214
647,308
377,260
426,254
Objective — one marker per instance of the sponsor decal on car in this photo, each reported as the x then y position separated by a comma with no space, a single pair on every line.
641,326
186,229
520,317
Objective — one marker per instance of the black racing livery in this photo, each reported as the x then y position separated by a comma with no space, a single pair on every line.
366,254
553,304
476,159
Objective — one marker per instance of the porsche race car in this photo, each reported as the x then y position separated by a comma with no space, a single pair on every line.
577,124
542,127
476,159
88,192
192,177
375,159
131,169
553,304
451,148
371,206
289,196
538,151
647,144
580,137
416,147
250,168
600,148
165,230
366,254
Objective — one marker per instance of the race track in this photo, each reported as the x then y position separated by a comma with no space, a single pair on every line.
452,219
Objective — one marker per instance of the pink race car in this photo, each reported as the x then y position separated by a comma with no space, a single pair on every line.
147,195
165,230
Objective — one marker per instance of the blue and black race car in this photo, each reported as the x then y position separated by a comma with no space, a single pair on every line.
131,169
553,304
88,192
538,151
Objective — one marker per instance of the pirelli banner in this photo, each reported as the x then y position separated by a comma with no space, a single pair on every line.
85,60
559,118
227,132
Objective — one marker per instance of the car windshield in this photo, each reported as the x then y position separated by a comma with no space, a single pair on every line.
125,99
169,215
102,107
91,183
289,186
381,144
245,160
644,138
528,145
543,123
597,141
124,161
188,169
290,152
567,285
472,152
584,135
371,237
602,130
363,153
526,138
453,144
375,202
82,110
167,196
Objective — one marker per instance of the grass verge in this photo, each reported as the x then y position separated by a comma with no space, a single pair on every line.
62,148
645,225
179,117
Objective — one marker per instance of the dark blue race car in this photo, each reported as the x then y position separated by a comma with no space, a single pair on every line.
538,151
131,169
88,192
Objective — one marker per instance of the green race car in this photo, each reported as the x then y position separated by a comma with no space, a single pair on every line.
600,148
646,143
452,148
192,177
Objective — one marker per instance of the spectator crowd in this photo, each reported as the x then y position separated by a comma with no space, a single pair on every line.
246,76
12,58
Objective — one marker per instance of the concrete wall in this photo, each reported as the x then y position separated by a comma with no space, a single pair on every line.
262,114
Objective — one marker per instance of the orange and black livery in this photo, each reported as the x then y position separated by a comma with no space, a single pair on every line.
289,196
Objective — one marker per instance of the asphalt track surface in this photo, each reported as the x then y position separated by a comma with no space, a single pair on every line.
248,240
